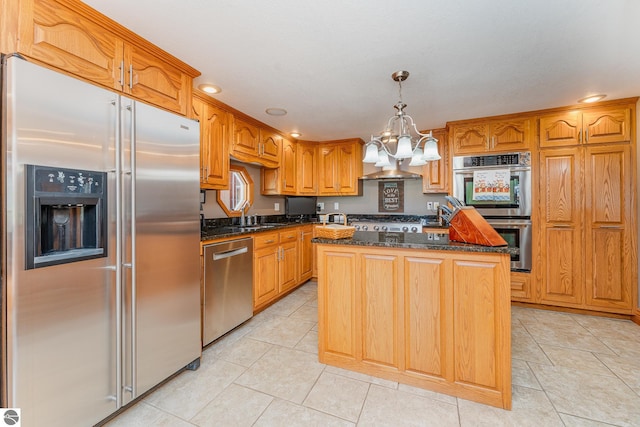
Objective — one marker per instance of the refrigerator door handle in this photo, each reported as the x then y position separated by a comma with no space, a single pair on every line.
117,103
132,192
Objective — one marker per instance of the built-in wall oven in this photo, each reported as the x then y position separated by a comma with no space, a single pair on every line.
499,187
495,184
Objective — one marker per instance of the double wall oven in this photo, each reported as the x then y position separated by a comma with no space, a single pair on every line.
499,187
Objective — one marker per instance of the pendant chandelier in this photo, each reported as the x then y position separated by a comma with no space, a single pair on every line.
397,140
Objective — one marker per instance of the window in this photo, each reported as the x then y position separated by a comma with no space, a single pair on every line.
239,196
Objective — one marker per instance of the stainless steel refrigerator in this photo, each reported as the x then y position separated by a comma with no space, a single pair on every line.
100,247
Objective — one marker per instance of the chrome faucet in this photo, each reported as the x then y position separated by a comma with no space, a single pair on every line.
243,221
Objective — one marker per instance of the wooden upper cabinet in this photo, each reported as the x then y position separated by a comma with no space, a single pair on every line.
281,180
270,149
590,126
246,138
559,130
340,166
512,135
215,134
76,39
470,139
65,40
255,144
289,166
307,167
150,79
607,125
435,174
491,135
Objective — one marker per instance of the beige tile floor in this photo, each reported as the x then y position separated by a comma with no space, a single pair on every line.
568,370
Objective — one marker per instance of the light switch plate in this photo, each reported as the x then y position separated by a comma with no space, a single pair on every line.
336,206
276,207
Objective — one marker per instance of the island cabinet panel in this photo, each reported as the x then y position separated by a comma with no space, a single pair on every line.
428,325
476,334
337,335
379,309
435,319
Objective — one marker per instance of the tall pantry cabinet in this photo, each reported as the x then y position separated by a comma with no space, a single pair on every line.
587,208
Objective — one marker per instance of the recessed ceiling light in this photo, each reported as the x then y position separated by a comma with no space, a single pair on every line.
209,88
295,134
591,98
276,111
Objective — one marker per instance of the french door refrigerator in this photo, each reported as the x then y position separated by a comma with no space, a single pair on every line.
100,247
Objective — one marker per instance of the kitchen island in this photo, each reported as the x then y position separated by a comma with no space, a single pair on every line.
429,313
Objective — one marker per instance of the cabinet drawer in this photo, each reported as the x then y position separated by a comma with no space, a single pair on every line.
289,235
262,240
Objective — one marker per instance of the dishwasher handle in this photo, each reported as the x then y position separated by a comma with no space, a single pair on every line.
228,254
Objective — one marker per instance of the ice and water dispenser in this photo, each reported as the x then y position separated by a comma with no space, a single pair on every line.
66,215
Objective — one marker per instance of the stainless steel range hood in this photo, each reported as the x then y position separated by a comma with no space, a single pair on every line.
391,172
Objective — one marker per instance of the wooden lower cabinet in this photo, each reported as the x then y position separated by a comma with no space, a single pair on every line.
521,287
282,260
439,320
305,253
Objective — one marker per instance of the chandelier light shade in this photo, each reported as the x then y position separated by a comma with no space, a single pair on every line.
397,141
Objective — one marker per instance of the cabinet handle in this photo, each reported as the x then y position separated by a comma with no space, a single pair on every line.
493,141
121,81
130,76
269,241
586,135
580,135
615,227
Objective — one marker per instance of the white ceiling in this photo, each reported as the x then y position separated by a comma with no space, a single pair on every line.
329,62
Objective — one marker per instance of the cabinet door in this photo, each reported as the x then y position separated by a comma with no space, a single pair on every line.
337,302
435,174
521,287
59,37
307,168
288,265
216,162
265,275
470,139
214,139
379,281
328,165
561,227
427,311
608,244
607,125
349,168
246,139
560,130
288,167
512,135
152,80
198,112
269,149
478,333
305,254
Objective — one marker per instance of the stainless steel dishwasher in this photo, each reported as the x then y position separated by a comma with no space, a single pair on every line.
228,287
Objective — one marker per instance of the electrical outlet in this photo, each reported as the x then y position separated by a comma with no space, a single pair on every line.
429,206
320,207
336,206
276,207
436,205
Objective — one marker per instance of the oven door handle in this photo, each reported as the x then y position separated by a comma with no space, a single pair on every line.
516,223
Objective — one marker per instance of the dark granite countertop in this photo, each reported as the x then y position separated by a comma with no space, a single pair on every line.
232,231
426,241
